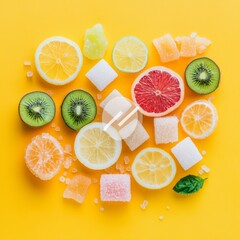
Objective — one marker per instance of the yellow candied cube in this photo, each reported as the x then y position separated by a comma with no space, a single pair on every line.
166,48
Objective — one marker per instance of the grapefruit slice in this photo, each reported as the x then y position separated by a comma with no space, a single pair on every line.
158,91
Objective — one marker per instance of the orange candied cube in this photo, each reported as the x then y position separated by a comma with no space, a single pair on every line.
166,48
188,47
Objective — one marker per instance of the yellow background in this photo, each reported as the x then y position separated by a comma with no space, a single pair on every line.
31,209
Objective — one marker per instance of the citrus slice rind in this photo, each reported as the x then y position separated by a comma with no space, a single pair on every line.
158,91
153,168
44,156
199,119
97,149
130,54
58,60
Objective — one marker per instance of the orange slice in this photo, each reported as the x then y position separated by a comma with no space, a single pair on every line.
44,156
199,119
153,168
58,60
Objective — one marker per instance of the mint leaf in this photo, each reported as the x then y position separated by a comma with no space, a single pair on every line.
189,184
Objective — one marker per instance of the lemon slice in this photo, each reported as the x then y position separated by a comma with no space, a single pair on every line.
153,168
130,54
97,149
58,60
199,119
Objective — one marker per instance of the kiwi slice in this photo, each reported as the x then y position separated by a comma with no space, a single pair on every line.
36,109
202,75
78,109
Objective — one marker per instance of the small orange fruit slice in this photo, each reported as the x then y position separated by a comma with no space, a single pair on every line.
44,156
199,119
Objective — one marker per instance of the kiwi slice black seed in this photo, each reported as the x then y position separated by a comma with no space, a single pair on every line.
78,109
202,75
36,109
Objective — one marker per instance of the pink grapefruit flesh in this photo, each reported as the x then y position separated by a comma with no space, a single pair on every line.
158,91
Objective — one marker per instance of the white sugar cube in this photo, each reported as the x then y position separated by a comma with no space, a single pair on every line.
166,129
137,138
114,94
101,75
116,105
186,153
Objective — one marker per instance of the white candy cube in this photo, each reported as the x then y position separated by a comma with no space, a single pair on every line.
137,138
114,94
186,153
166,129
101,75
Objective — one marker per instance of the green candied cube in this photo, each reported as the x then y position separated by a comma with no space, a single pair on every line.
95,42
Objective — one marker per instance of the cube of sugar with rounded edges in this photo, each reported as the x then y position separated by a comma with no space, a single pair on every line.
137,138
166,129
114,94
115,187
117,105
167,48
101,75
186,153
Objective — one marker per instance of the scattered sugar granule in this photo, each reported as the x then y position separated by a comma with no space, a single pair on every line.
49,92
115,188
99,96
74,170
95,200
128,169
74,159
29,74
68,180
57,129
205,169
144,204
168,207
118,165
62,179
121,169
204,152
77,188
27,63
161,217
95,180
126,160
67,163
53,125
210,99
65,173
201,172
68,148
60,138
101,209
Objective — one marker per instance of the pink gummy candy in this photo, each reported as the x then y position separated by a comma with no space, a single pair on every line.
115,187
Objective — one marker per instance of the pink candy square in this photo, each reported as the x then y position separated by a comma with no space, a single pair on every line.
115,187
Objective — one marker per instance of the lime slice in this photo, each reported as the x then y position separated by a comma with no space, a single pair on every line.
130,54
